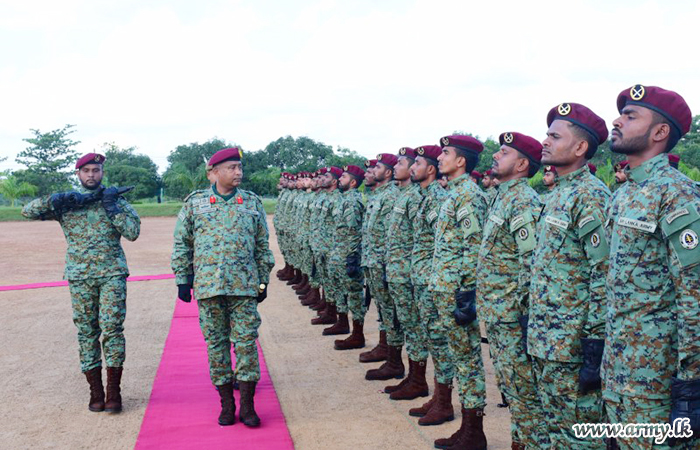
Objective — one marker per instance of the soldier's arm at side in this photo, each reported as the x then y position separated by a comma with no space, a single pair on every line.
263,255
353,217
38,209
522,227
127,222
182,259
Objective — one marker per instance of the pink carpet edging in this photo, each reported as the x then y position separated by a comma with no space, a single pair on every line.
184,406
21,287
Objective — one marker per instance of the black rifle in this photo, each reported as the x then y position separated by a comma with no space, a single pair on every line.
63,202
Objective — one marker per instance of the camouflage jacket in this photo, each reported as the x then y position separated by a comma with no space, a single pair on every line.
224,244
503,274
490,195
380,205
653,285
279,208
315,209
369,195
458,237
347,216
303,217
286,210
327,232
399,245
94,247
432,198
570,261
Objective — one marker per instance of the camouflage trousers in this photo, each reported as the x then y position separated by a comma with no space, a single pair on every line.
409,318
345,292
434,334
306,263
516,377
385,304
465,348
227,320
99,307
318,271
564,406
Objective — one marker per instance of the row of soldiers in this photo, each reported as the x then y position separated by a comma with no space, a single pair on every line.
590,302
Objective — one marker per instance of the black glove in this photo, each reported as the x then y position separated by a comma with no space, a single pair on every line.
184,292
368,296
589,375
65,201
465,311
109,201
523,320
352,265
685,403
262,295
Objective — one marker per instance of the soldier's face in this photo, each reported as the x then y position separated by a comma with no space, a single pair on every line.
228,174
505,161
560,145
419,170
486,181
449,161
369,177
548,179
620,176
632,130
381,172
90,176
345,181
402,170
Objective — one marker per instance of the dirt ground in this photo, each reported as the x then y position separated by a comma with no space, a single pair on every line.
326,401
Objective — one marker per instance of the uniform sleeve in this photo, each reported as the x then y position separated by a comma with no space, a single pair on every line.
182,258
522,227
589,228
39,209
127,222
263,255
352,215
681,231
470,216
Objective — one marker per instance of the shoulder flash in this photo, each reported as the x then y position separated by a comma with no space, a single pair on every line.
193,193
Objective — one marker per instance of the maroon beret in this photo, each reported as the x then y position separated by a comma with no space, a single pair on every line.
387,159
530,147
356,172
323,170
592,168
226,154
430,152
621,165
582,116
550,169
335,171
370,163
488,173
674,159
466,143
667,103
407,152
90,158
476,175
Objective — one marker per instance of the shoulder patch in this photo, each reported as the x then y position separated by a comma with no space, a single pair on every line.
192,193
676,214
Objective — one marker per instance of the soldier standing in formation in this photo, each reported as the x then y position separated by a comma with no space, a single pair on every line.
221,249
93,221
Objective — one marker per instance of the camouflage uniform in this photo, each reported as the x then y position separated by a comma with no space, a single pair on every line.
370,205
457,240
315,236
398,269
346,292
96,271
225,245
503,276
305,255
326,236
380,206
421,262
279,222
653,293
567,301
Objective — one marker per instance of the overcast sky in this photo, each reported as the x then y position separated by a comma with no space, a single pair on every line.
372,76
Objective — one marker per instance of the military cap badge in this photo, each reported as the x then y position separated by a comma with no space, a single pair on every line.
420,151
345,168
564,109
379,157
402,151
508,138
637,92
445,141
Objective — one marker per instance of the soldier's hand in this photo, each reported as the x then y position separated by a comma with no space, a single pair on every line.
589,375
63,201
685,403
465,310
352,266
184,292
262,293
109,201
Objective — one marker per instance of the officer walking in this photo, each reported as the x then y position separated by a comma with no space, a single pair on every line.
93,221
221,249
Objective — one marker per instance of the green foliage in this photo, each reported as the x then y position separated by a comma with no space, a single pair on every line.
12,189
124,167
691,172
536,182
48,160
186,171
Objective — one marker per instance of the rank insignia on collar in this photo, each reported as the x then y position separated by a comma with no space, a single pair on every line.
564,109
212,200
637,92
508,138
239,200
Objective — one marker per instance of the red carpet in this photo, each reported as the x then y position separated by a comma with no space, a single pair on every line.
21,287
184,406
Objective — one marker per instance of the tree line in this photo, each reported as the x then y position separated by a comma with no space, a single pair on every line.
49,161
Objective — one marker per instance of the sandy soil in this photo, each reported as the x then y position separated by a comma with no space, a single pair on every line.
326,401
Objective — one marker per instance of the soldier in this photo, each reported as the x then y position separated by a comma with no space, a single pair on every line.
476,177
620,175
567,297
221,249
424,171
651,363
278,222
550,177
303,222
93,221
488,183
398,271
313,295
674,160
345,270
503,281
453,283
380,206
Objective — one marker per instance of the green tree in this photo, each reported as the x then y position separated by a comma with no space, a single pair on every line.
13,189
125,167
186,169
48,160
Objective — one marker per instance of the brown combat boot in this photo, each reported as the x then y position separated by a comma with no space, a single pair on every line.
97,390
517,446
423,409
248,415
305,289
392,368
416,386
228,404
378,353
355,340
114,396
340,327
321,305
296,278
302,283
311,298
441,410
288,274
283,270
328,316
470,435
404,382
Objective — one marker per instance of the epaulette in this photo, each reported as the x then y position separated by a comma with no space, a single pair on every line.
251,194
192,193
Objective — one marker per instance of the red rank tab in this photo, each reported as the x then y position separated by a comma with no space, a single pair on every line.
212,199
240,200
